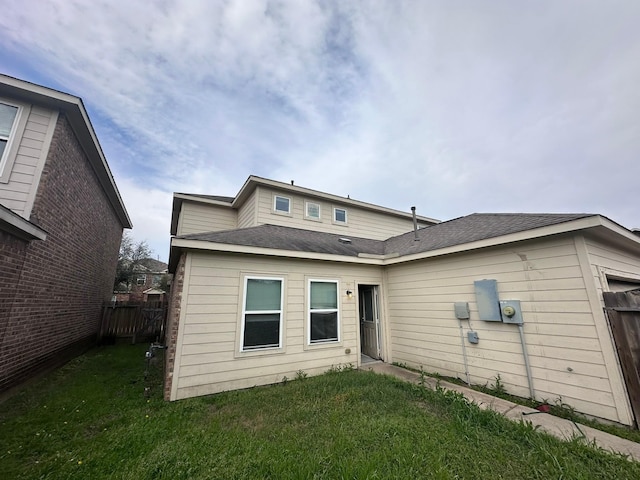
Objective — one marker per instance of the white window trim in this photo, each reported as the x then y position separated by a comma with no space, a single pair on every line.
244,312
346,216
280,212
306,211
13,142
337,309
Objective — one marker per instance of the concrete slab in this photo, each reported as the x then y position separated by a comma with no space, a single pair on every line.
556,426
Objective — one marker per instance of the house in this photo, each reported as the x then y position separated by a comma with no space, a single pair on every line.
145,283
282,278
61,221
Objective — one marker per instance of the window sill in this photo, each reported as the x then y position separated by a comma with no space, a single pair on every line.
324,345
284,214
259,352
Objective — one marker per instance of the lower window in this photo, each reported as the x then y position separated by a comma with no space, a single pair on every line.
323,311
262,315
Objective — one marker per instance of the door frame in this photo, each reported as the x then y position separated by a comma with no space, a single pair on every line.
376,288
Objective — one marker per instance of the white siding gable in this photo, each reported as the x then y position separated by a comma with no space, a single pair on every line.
31,147
360,222
203,217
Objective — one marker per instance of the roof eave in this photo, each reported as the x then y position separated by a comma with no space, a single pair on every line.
590,223
179,244
597,224
75,112
19,227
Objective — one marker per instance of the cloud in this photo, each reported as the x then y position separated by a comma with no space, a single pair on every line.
452,107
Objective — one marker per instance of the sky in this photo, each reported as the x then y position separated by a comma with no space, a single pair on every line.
454,106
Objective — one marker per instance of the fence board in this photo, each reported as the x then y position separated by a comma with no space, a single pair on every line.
623,311
141,322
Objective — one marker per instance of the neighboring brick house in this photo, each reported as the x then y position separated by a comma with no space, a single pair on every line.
145,283
61,221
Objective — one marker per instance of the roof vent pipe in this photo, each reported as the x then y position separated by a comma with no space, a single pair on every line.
415,224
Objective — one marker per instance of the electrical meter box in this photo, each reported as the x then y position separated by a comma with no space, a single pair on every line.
487,300
511,311
462,310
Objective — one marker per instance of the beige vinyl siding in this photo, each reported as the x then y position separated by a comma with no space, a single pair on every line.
560,331
204,217
247,212
209,360
607,260
19,193
360,222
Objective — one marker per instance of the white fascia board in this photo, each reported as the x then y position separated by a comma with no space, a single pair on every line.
194,198
20,227
253,181
565,227
274,252
620,230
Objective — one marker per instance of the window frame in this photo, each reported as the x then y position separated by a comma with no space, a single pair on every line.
243,349
13,140
330,342
275,202
335,220
306,211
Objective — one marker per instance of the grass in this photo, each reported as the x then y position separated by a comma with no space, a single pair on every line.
557,406
90,420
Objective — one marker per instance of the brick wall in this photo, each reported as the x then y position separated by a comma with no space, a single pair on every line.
56,302
173,321
12,255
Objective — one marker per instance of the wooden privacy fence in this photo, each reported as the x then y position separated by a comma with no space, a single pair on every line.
142,322
623,310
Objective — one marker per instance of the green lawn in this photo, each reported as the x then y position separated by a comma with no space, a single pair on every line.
90,419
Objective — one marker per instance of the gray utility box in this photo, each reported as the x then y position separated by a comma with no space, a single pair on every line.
473,337
487,300
462,310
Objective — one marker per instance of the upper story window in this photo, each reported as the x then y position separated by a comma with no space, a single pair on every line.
312,210
339,215
262,313
13,119
323,311
8,116
281,204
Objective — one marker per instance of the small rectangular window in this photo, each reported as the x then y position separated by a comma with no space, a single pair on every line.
312,210
339,215
262,315
323,311
281,204
141,280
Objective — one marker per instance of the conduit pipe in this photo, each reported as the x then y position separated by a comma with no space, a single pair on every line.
526,361
464,353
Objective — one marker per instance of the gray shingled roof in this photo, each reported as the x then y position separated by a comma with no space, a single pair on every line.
294,239
474,227
478,226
